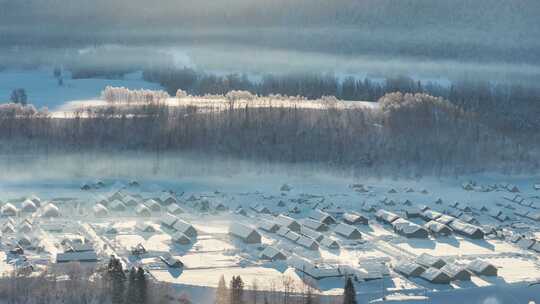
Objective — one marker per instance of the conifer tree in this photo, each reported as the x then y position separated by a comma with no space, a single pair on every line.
349,294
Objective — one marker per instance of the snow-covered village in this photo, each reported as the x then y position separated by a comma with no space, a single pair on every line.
269,152
396,241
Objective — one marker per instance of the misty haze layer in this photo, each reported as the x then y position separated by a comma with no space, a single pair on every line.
464,38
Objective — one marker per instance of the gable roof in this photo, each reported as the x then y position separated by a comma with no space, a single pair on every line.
145,227
314,224
311,233
185,227
428,260
467,229
293,236
243,231
117,205
386,216
329,243
268,226
456,272
347,231
174,208
288,222
435,275
307,242
271,253
354,218
408,268
168,220
437,227
141,209
322,216
481,267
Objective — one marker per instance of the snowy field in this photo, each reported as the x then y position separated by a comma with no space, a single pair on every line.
211,205
43,90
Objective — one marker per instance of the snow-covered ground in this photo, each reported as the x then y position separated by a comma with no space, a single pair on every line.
214,253
43,90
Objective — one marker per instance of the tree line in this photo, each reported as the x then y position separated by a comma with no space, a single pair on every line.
512,105
406,133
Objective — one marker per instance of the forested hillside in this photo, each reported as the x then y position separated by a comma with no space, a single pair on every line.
410,133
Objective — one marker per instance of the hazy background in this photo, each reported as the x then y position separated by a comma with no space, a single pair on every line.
490,39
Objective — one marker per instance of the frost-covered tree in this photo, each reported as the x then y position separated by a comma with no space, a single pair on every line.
222,293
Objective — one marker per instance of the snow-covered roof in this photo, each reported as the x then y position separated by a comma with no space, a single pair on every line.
322,216
386,216
174,208
428,260
347,231
117,205
437,227
307,242
167,198
408,268
445,219
311,233
85,256
145,227
185,227
271,253
260,208
141,209
353,218
329,243
268,226
244,232
288,222
153,205
314,271
171,261
50,210
293,236
314,224
181,238
435,275
8,228
8,209
410,229
168,220
100,210
130,200
282,231
467,229
482,267
456,272
28,206
431,214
